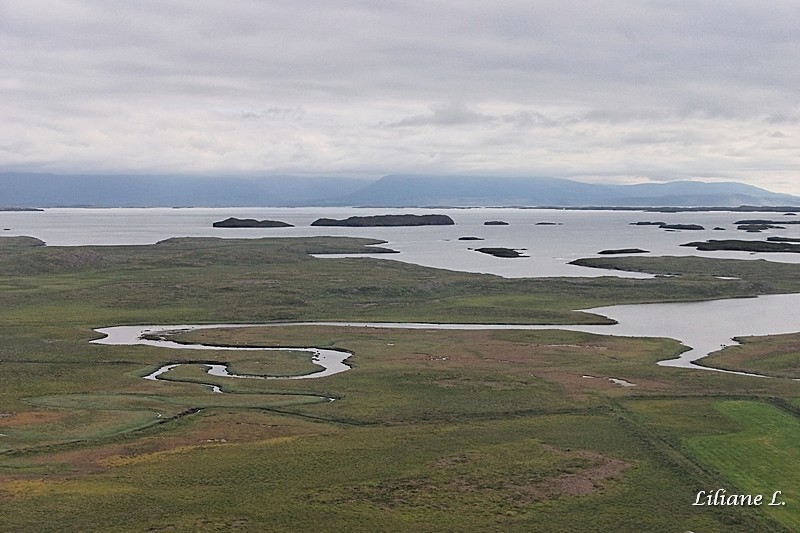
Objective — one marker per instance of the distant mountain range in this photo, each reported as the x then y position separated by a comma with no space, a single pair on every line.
49,190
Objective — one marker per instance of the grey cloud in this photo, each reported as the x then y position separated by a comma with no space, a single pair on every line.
454,114
568,87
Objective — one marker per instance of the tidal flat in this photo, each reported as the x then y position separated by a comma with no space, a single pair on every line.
431,429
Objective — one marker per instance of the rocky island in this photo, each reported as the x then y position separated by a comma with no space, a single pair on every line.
624,251
233,222
757,228
664,225
744,246
693,227
501,252
783,239
387,220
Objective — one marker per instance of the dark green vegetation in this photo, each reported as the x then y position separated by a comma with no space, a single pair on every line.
387,220
430,430
233,222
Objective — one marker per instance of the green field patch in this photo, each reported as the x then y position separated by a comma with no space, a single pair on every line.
275,363
684,417
760,459
78,423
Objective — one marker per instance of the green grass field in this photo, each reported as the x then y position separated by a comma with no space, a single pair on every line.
429,431
760,458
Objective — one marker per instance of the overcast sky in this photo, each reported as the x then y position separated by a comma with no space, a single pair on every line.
616,91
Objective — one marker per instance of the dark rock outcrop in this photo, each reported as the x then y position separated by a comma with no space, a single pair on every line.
495,223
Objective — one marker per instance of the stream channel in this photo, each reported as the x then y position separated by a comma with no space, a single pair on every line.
704,327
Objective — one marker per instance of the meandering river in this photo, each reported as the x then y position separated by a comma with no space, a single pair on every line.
704,327
330,360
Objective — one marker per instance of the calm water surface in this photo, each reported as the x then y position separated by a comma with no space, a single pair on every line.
550,247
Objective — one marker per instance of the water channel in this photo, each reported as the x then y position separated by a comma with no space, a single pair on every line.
704,327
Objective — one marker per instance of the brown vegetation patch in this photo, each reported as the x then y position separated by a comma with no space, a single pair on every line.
584,473
450,383
510,488
30,418
446,462
581,483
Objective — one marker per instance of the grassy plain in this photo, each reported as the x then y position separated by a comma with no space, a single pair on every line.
773,355
430,430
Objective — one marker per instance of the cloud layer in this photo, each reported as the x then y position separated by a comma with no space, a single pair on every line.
601,91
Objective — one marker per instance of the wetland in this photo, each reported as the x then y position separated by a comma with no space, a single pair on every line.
494,427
